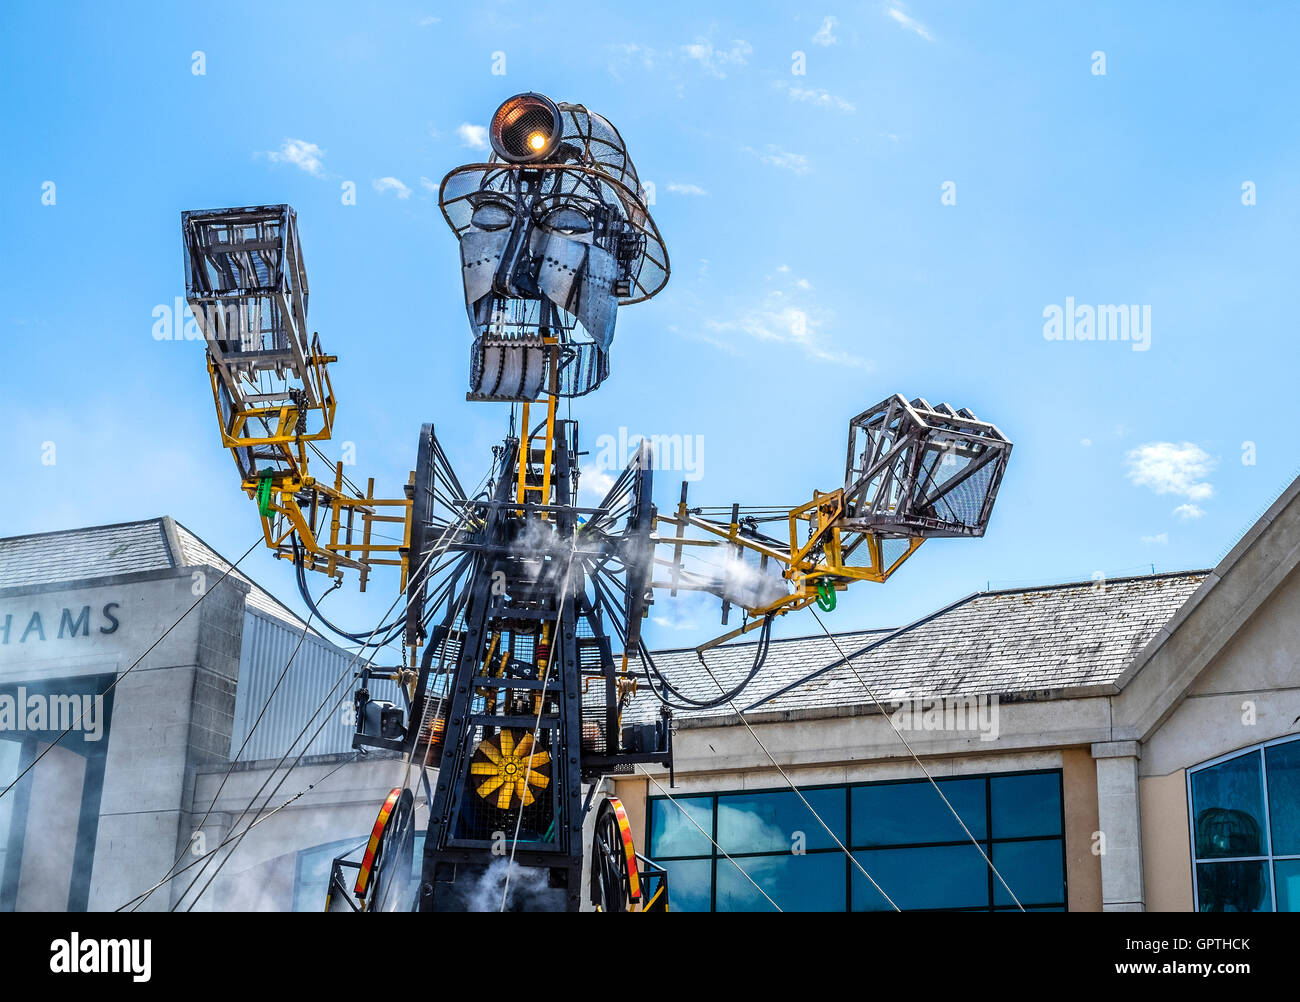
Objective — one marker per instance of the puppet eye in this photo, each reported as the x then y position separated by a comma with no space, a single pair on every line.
567,221
491,216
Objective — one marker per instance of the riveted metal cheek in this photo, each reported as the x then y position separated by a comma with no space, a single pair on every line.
597,303
480,256
563,261
579,278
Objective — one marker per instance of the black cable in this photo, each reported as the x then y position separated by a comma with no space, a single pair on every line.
690,702
391,631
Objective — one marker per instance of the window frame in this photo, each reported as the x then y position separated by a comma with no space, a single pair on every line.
986,843
1270,859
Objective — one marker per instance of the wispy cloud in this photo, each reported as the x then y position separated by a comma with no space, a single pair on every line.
899,14
716,62
1187,512
686,189
1159,539
383,184
428,184
787,325
300,153
816,96
774,156
783,318
473,136
630,52
1169,468
826,33
428,21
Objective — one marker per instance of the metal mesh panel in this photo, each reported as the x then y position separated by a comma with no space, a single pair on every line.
593,718
921,470
583,367
244,458
528,134
965,501
482,814
891,550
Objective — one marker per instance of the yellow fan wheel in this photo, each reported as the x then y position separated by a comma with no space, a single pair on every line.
508,768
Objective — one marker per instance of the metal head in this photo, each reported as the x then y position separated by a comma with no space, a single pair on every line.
555,234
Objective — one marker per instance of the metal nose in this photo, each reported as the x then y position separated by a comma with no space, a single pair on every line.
506,280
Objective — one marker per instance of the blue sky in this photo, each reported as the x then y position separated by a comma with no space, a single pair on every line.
816,266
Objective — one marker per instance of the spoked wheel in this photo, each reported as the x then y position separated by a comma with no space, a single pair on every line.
626,525
433,509
385,871
615,880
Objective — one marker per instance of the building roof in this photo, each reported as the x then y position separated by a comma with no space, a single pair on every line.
1029,641
105,551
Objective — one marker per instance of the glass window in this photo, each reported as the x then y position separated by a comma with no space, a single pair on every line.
769,822
312,879
902,813
1035,871
905,836
671,830
1287,879
1233,887
1245,820
1026,805
809,883
690,884
1228,808
948,876
1283,768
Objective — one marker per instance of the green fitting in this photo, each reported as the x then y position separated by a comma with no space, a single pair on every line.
264,493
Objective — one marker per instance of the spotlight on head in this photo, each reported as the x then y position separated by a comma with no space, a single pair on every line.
526,129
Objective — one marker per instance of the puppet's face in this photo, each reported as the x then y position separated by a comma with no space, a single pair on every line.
530,241
555,232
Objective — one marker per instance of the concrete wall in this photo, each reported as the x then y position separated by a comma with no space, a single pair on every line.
170,713
1248,693
260,874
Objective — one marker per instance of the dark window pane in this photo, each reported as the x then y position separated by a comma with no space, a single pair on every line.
688,885
902,813
1033,870
767,822
950,876
1026,805
1233,887
1283,764
812,883
1287,877
1228,807
671,832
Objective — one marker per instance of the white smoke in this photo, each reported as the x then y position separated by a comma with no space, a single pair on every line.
745,585
526,883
